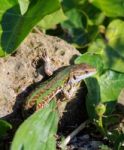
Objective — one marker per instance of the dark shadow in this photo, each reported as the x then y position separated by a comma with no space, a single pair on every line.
75,111
17,116
73,58
120,108
21,98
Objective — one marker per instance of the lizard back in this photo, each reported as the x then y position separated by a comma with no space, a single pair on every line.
47,90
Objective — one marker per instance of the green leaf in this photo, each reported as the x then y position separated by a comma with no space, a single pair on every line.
24,6
92,59
103,89
112,8
104,147
115,36
38,131
93,14
74,26
97,46
93,96
51,20
81,25
74,16
4,127
111,84
110,51
114,51
70,4
15,26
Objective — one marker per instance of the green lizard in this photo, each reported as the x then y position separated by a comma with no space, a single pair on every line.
63,80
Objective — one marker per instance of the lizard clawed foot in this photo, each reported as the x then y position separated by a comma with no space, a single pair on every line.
48,68
70,93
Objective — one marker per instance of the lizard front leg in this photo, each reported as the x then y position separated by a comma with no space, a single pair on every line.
71,87
69,93
48,67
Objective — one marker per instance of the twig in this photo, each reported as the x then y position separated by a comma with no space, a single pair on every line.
74,133
37,30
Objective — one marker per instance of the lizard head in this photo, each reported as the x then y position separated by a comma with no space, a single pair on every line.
82,71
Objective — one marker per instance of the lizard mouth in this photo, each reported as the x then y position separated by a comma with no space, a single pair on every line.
81,77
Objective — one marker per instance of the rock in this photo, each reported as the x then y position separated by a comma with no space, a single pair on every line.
25,67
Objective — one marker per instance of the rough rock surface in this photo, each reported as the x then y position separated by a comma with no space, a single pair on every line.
25,67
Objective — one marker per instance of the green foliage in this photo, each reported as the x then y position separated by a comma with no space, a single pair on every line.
107,55
82,23
93,59
102,88
104,147
114,52
50,20
111,52
38,131
112,8
94,26
16,24
100,109
4,127
75,27
23,6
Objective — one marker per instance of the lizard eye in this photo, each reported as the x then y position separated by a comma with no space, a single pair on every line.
86,71
74,77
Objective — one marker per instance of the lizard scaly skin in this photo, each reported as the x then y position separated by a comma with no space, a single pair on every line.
47,90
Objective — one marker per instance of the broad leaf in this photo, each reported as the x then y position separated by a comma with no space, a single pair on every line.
111,51
97,46
75,27
115,35
110,84
93,14
103,89
93,96
69,4
92,59
24,6
111,8
38,131
81,25
15,26
51,20
114,51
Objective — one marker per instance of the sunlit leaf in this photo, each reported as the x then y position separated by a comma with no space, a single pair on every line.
104,89
23,5
15,27
51,20
112,8
92,59
38,131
